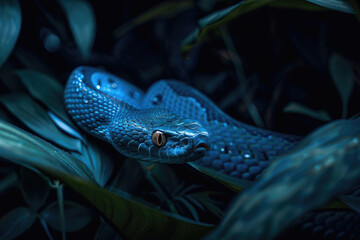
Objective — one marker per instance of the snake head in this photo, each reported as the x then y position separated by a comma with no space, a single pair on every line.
158,135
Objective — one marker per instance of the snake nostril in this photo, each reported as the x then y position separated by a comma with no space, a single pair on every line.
186,142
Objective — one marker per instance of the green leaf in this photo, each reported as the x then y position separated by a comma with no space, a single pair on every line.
76,216
297,4
81,18
230,182
338,5
327,159
166,176
301,109
98,162
219,18
189,207
352,201
36,118
34,188
129,178
10,24
133,219
16,222
105,231
165,9
8,181
213,21
136,220
343,77
31,151
47,90
207,202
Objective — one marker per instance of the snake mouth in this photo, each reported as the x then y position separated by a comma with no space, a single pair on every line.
202,147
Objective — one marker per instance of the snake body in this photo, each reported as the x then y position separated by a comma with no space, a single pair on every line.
118,112
196,129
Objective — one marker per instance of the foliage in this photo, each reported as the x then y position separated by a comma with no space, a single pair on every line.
253,58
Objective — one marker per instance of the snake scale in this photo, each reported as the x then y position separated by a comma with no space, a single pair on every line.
174,123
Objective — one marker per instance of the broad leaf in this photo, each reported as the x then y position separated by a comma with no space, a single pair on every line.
35,189
338,5
228,181
343,76
31,151
98,162
76,216
301,109
133,219
129,178
221,17
165,9
36,118
16,222
328,159
105,231
8,181
81,18
47,90
10,23
352,201
66,128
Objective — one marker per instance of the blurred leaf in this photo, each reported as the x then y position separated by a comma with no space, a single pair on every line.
297,4
301,109
10,24
98,162
46,229
34,188
217,19
166,176
352,201
16,222
230,182
47,90
327,159
81,18
315,5
36,118
31,151
164,9
60,202
76,216
343,76
105,231
356,7
128,178
207,202
221,17
8,181
338,5
133,219
189,207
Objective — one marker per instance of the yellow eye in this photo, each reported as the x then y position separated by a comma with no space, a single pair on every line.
158,138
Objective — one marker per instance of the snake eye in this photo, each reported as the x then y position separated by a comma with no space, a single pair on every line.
158,138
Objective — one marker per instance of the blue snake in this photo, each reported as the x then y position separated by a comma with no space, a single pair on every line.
171,123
